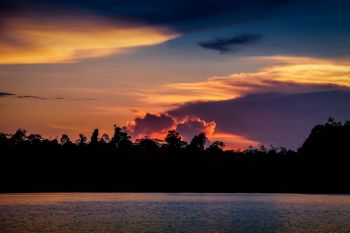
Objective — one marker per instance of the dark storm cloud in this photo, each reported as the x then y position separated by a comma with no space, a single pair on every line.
231,44
178,14
279,119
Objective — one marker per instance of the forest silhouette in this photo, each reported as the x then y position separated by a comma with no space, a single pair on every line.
30,163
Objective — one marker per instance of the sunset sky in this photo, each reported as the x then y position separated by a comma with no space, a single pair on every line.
245,72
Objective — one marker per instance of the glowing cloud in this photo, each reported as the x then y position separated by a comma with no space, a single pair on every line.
194,126
66,39
291,75
150,125
157,126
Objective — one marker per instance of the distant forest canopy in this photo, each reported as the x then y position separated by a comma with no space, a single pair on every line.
31,163
121,140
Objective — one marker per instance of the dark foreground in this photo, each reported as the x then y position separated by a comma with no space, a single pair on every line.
161,212
32,164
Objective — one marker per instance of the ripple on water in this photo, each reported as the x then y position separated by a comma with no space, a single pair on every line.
126,212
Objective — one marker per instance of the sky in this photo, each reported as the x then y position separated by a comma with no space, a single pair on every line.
244,72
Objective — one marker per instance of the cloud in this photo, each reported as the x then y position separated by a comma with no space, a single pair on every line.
270,118
5,94
30,39
157,126
180,15
231,44
151,125
68,31
30,97
291,75
276,105
191,127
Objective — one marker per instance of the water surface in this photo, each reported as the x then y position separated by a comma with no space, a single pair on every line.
161,212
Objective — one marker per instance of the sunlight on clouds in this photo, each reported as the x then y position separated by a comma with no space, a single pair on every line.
314,74
289,76
234,141
29,40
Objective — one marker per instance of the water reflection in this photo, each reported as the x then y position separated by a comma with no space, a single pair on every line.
158,212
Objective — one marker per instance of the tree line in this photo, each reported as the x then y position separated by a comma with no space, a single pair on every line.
120,141
31,163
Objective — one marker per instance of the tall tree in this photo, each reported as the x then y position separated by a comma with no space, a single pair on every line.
120,139
94,137
173,140
198,142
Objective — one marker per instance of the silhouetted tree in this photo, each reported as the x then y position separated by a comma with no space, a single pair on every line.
263,149
65,140
216,146
34,163
82,140
173,141
54,142
19,136
118,135
147,145
94,137
329,139
198,142
120,139
105,139
4,138
35,139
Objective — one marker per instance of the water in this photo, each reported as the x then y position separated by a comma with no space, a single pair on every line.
160,212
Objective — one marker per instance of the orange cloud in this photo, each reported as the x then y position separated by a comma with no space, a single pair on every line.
150,125
191,126
290,75
66,39
157,126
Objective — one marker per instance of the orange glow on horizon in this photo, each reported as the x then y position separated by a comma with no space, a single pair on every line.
234,141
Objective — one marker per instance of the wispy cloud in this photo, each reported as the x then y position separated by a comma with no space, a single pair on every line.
290,76
31,97
5,94
231,44
29,39
35,97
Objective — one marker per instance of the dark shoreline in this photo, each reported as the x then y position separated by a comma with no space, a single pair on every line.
32,164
